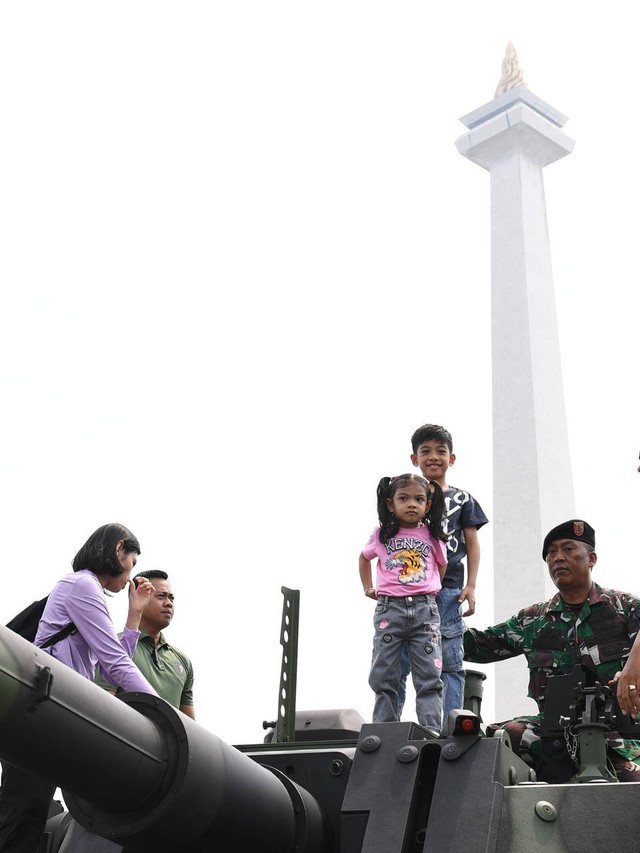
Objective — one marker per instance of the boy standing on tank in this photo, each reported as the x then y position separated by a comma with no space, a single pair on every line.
433,453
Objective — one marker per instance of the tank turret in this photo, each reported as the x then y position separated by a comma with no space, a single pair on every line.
138,776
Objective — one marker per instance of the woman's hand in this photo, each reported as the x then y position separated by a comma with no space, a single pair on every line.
140,595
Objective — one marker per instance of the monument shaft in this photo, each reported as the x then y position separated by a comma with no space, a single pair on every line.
514,137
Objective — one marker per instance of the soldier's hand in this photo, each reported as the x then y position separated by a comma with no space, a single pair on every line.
628,698
468,594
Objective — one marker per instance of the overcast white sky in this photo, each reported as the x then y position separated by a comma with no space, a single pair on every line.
242,260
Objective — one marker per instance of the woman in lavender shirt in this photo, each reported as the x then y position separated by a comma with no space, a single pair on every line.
103,564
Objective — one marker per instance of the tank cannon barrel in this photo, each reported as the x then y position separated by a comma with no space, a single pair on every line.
55,724
134,769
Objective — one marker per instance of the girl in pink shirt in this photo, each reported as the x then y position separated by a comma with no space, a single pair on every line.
411,550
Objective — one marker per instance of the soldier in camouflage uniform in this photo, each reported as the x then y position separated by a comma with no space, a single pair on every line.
582,623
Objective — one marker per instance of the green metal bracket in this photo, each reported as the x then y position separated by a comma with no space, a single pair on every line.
286,724
592,738
473,690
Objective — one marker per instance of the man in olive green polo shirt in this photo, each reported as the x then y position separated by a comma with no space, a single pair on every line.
165,667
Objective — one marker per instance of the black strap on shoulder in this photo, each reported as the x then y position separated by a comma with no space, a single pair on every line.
27,621
62,633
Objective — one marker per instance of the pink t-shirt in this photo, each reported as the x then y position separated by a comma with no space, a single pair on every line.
407,563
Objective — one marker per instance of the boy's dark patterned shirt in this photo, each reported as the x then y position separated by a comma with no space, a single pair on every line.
553,637
462,510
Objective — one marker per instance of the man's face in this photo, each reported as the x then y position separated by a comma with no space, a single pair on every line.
159,611
570,563
433,458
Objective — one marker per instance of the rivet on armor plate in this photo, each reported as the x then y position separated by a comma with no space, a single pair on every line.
370,744
407,754
545,810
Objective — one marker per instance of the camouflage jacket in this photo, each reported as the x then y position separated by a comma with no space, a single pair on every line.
553,639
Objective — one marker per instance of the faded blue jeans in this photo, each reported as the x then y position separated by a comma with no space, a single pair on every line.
412,620
452,629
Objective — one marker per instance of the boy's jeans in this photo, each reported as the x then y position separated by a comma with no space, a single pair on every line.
452,628
411,620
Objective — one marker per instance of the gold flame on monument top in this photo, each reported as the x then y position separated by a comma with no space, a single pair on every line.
511,72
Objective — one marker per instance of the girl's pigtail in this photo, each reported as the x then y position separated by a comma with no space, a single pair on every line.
389,523
434,516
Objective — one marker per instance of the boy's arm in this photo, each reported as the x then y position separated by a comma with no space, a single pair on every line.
364,566
468,594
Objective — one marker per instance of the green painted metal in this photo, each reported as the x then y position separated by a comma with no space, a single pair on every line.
286,720
593,754
473,690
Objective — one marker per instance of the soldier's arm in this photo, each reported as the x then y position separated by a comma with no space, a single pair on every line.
186,699
493,644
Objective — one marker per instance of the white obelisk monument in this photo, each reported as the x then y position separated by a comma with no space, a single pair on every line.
514,136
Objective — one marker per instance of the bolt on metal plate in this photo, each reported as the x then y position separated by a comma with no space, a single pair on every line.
407,754
546,811
370,744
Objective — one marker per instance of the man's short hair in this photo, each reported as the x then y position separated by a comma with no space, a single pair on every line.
429,431
150,574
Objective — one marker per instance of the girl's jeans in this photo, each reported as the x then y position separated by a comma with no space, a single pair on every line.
414,620
452,629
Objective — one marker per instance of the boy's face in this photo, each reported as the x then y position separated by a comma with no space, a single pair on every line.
433,458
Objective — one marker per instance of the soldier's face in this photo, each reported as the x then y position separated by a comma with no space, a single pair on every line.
159,611
570,563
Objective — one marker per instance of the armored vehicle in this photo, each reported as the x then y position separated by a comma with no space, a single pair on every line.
139,776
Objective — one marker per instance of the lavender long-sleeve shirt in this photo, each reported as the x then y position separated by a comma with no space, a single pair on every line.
79,598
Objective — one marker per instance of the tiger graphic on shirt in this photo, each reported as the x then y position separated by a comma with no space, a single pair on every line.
411,566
